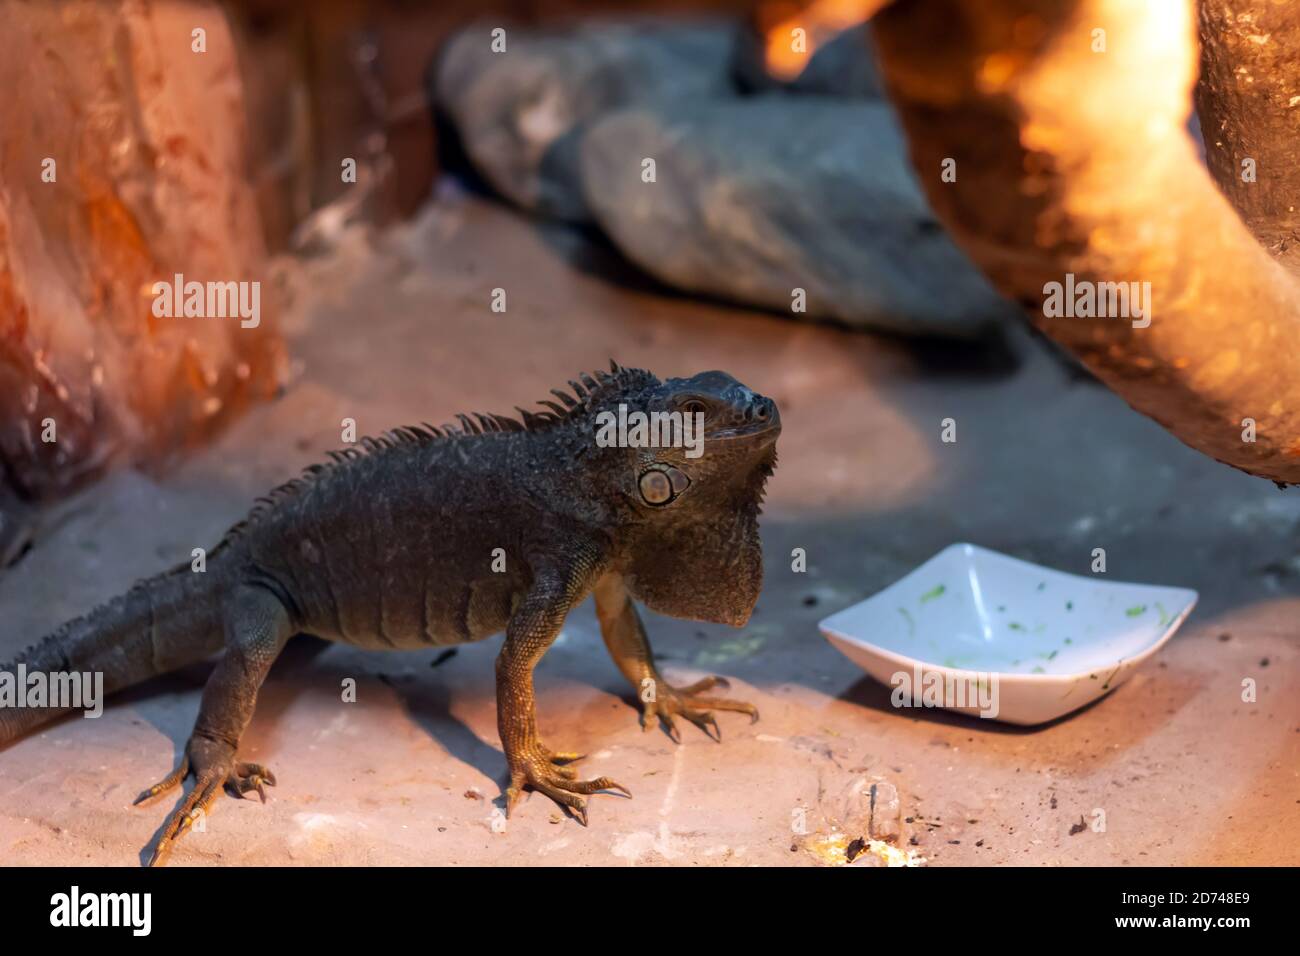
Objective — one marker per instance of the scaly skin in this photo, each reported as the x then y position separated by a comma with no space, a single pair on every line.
442,536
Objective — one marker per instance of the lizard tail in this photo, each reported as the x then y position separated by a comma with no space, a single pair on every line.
161,624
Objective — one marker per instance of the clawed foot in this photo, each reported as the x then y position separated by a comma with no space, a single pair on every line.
543,770
687,702
214,765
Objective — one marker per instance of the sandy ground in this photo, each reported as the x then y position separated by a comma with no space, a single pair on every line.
1047,466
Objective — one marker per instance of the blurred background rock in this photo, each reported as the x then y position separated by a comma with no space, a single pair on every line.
123,161
780,169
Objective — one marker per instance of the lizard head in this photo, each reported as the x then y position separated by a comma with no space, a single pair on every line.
694,489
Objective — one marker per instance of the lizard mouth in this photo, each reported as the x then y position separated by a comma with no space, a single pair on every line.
772,428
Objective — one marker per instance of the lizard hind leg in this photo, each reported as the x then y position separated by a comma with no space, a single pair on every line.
257,628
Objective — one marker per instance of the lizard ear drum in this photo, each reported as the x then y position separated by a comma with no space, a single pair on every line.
660,485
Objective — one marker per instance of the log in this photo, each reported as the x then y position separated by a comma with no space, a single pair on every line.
1073,161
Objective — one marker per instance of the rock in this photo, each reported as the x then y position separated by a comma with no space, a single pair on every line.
846,66
521,112
121,157
18,523
756,198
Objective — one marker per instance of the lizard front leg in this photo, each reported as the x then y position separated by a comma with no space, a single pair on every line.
532,629
257,628
624,635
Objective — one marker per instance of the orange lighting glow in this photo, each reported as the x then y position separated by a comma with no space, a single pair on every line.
792,31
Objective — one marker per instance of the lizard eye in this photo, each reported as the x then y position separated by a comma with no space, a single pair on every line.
661,484
694,406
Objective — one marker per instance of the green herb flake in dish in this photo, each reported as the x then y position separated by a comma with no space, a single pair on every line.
911,624
935,592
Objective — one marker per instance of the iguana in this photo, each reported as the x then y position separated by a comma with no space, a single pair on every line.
433,536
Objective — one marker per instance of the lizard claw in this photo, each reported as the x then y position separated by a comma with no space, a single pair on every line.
250,776
537,770
687,702
213,765
707,683
166,783
191,810
512,797
704,720
562,756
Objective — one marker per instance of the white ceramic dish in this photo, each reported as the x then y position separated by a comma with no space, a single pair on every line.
1034,642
